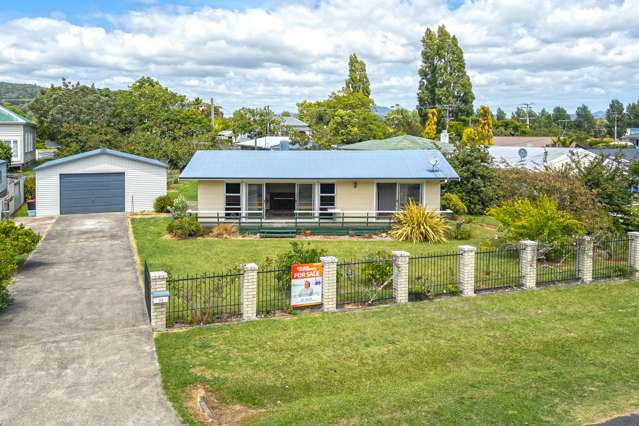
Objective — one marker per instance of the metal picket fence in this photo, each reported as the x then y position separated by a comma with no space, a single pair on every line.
432,275
365,281
610,259
556,263
497,269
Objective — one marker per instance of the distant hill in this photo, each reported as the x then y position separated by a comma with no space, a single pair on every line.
380,110
18,94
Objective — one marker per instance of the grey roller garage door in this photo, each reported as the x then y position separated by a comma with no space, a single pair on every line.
91,193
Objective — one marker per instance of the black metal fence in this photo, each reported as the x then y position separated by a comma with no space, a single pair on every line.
610,259
495,269
147,289
433,275
273,291
365,281
203,299
556,263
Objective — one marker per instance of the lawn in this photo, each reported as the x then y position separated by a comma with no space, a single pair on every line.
188,188
199,256
551,356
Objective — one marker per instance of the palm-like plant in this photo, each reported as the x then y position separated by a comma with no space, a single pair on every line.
416,224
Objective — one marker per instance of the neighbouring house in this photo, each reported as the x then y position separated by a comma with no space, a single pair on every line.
295,124
99,181
11,191
632,136
407,142
266,143
534,158
20,134
522,141
285,185
626,154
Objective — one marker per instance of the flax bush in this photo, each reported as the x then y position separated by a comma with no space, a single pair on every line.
416,224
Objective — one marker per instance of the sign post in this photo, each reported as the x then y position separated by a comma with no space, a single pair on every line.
306,285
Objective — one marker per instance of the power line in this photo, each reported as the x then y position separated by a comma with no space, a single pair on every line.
527,107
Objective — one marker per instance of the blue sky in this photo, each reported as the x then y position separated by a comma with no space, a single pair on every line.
280,52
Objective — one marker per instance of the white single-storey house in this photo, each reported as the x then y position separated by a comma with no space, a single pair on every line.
99,181
273,143
294,123
20,134
285,185
534,158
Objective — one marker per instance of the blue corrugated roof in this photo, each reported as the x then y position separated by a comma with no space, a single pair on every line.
100,151
332,165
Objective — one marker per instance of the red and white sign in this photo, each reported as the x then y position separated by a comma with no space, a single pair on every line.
306,284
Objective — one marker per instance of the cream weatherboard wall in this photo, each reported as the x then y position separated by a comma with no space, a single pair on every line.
432,193
352,197
210,195
143,182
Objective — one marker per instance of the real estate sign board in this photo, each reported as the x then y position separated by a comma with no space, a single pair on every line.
306,284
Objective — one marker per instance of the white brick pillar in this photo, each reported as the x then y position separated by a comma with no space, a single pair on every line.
329,283
528,264
400,276
249,291
633,253
159,299
585,249
466,275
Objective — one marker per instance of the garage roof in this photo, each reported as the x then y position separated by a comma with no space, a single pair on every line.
333,165
100,151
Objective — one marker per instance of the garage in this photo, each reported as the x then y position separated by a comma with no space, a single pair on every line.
99,181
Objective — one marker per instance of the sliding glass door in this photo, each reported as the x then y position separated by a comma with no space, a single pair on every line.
255,200
304,200
393,196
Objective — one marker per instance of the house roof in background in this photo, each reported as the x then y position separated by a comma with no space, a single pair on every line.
522,141
311,165
266,142
629,154
406,142
293,122
9,117
536,158
100,151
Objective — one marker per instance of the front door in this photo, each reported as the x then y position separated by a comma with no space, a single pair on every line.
386,197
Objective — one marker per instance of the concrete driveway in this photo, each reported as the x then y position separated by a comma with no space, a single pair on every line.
76,346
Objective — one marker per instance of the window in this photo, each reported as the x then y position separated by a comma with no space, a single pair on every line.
255,200
232,200
327,198
28,142
409,191
13,144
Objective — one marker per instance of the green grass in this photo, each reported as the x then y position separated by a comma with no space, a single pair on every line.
22,211
552,356
198,256
187,188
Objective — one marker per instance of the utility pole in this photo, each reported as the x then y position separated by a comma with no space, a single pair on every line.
615,115
527,106
212,114
446,108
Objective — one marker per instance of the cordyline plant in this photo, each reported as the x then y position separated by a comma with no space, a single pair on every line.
416,224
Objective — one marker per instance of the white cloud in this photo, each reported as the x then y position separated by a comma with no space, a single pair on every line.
541,51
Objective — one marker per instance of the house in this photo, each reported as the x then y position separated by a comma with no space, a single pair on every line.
625,154
407,142
290,122
286,185
99,181
534,158
20,134
632,136
3,178
522,141
272,143
11,191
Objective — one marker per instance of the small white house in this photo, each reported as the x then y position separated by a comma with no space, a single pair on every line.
534,158
99,181
20,134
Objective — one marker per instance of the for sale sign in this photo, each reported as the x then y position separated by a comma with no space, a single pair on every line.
306,284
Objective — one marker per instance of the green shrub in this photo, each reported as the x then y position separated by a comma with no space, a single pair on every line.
459,232
416,224
163,204
180,206
452,202
380,268
29,188
184,227
15,240
298,253
536,220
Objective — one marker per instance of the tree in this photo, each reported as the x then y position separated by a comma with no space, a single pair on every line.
442,75
472,164
632,114
5,152
430,128
469,137
484,131
254,122
615,116
584,120
403,122
560,115
501,115
357,80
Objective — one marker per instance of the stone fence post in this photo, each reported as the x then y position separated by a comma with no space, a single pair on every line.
159,299
400,276
528,264
466,275
249,292
585,249
633,253
329,283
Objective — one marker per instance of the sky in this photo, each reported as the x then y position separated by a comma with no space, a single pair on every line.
278,52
